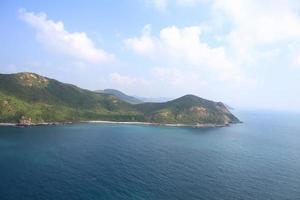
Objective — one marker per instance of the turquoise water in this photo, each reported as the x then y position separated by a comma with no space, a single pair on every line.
259,159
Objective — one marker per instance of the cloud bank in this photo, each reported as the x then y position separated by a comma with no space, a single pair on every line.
182,51
56,38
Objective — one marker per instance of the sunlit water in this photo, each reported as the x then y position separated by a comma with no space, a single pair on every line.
259,159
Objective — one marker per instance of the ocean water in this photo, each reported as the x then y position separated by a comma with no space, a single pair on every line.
259,159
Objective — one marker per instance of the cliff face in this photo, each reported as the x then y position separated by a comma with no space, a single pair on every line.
23,121
29,98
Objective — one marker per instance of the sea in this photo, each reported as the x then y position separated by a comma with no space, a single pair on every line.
257,159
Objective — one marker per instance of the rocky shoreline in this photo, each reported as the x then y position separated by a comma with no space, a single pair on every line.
114,122
35,124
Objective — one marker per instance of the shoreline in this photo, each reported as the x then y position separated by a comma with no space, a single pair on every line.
157,124
116,122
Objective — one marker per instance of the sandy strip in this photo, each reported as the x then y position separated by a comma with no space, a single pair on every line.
158,124
7,124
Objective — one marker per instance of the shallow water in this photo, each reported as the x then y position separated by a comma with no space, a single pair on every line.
259,159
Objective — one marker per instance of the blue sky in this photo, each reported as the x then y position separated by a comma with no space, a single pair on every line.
244,53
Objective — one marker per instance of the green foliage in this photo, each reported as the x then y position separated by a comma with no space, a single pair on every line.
188,109
47,100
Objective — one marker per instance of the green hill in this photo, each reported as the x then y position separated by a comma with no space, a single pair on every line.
29,95
121,96
188,109
43,100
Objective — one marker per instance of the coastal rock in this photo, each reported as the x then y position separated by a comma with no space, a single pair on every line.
23,121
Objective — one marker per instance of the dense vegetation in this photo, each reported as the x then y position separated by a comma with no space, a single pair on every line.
47,100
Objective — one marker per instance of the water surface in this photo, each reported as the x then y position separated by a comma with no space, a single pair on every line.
259,159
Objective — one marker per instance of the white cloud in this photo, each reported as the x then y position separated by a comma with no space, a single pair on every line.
183,48
186,63
255,23
55,37
261,21
245,26
144,44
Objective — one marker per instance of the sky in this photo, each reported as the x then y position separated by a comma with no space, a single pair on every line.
245,53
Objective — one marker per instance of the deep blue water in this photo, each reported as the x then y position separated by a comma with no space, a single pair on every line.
259,159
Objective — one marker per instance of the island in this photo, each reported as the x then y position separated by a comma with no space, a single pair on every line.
29,99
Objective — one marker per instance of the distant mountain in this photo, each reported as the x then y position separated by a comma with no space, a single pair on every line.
34,98
132,99
121,95
154,99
